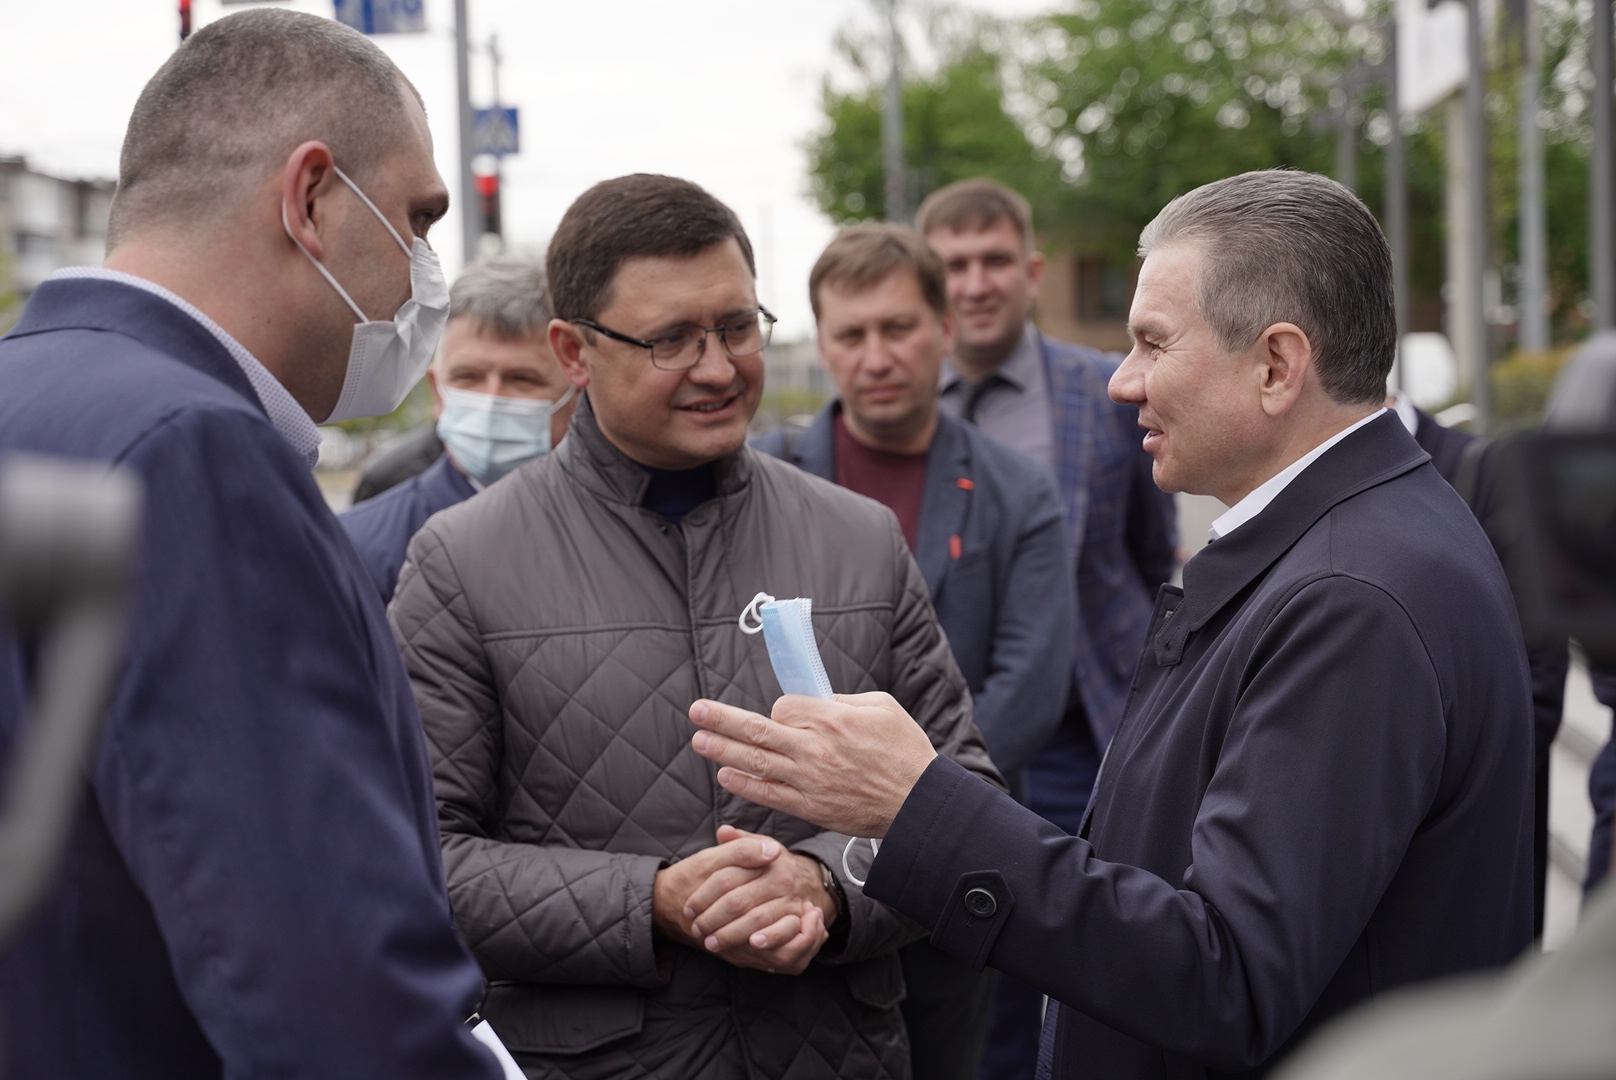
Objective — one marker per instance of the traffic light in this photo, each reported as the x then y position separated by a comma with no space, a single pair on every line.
488,195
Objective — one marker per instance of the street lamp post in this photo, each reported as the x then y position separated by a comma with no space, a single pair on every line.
897,202
1474,279
1534,323
1601,174
470,215
1396,187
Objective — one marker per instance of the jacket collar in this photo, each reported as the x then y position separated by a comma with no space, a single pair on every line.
1078,396
946,503
592,459
815,451
442,477
1370,456
99,304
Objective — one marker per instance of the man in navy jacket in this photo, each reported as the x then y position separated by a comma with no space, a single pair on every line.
494,360
985,526
254,885
1321,786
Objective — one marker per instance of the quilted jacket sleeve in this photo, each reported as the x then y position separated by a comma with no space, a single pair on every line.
533,913
928,684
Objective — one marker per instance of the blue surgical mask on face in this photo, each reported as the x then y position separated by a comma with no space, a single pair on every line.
490,436
788,631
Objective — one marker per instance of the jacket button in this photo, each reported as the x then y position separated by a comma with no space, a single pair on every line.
697,518
980,902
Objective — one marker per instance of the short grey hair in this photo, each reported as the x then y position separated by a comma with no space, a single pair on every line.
507,295
221,116
1285,246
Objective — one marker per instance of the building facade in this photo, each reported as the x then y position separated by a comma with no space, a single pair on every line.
46,223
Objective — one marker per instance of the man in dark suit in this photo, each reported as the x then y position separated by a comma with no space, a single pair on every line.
1047,399
985,526
1549,665
499,399
1320,789
254,885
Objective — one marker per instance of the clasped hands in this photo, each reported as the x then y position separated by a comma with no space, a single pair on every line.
747,901
846,765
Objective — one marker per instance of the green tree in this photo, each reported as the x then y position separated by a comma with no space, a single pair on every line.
1104,111
1149,100
955,126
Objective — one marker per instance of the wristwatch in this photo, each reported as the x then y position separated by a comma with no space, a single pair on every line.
828,881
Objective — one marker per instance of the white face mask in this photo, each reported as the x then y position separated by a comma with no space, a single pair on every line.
490,435
386,359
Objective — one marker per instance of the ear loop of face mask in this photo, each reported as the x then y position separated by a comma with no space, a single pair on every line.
286,223
788,631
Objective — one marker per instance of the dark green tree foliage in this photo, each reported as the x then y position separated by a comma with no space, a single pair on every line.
1563,120
955,126
1146,100
1105,111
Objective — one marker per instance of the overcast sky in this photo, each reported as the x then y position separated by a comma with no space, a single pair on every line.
724,92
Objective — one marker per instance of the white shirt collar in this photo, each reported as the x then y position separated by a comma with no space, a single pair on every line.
284,412
1263,494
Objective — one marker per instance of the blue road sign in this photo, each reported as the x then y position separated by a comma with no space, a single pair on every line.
383,16
494,131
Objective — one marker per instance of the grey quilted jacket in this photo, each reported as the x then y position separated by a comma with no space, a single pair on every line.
556,633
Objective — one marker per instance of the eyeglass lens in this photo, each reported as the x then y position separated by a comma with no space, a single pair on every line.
682,346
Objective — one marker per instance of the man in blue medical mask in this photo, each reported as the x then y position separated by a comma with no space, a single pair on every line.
499,400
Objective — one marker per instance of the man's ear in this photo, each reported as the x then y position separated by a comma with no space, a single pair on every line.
567,346
949,328
437,391
1036,265
1285,356
309,175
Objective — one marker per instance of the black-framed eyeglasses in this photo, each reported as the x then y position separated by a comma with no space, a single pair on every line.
679,348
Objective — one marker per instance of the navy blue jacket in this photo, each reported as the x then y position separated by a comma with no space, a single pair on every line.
254,885
382,526
1121,526
1320,790
992,549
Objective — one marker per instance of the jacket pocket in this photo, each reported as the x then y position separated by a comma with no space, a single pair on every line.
537,1019
877,982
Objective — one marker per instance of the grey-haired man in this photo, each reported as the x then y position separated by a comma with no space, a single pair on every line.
498,399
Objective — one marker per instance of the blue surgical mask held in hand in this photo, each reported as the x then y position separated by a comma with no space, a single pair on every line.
788,631
386,358
490,436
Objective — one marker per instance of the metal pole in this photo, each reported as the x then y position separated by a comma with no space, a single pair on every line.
1346,148
892,123
499,159
470,219
1534,323
1476,198
1397,191
1601,221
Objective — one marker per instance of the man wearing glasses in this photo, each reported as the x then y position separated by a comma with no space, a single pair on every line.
634,918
